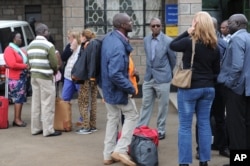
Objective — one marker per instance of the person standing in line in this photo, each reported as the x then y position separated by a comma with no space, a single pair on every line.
69,86
16,62
199,97
117,91
43,66
217,115
235,77
218,108
69,56
225,31
160,62
87,97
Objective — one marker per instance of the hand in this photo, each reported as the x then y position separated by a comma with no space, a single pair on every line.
86,44
73,45
190,30
137,77
74,78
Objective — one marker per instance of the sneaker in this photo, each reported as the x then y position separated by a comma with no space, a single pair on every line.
83,131
93,129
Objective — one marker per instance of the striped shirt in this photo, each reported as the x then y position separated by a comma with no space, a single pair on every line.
42,59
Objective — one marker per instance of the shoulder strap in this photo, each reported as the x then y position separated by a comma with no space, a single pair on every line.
193,52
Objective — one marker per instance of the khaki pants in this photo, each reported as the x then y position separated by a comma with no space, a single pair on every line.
42,106
113,120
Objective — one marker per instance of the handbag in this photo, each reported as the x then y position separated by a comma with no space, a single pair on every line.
63,115
182,77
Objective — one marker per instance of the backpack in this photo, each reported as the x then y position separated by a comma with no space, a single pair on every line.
147,132
143,147
143,151
88,63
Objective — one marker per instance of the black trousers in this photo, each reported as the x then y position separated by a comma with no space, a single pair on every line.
218,122
238,120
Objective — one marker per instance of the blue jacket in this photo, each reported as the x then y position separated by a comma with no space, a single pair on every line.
161,68
116,85
235,64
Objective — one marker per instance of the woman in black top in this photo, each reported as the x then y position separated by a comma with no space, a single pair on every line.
199,97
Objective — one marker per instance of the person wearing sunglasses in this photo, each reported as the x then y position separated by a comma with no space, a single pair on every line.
160,62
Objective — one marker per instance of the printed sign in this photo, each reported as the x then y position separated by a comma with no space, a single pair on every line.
171,14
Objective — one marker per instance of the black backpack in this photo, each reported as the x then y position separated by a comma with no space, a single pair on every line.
84,67
143,151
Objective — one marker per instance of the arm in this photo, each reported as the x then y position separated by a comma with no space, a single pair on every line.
238,54
116,68
67,52
52,59
180,43
172,58
59,60
11,56
92,56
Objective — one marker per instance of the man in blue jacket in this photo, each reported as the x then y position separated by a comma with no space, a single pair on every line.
160,62
235,76
117,91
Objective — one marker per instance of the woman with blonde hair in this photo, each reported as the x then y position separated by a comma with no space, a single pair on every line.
69,87
199,97
87,97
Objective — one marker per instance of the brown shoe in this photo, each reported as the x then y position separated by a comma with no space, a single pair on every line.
115,156
125,159
108,162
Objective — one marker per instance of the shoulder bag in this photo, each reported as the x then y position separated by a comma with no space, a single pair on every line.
182,77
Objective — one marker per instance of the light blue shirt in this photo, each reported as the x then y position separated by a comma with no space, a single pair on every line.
154,43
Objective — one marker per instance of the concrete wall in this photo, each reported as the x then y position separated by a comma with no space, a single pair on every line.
62,15
51,14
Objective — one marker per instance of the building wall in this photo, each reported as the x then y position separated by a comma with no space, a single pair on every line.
51,15
62,15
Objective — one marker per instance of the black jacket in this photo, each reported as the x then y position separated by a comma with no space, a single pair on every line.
87,65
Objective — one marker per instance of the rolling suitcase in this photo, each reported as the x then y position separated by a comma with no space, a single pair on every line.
4,105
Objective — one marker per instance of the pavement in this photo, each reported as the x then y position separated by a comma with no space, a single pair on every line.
20,148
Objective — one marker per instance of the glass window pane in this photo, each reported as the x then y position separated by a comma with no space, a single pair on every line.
4,38
99,14
153,9
29,34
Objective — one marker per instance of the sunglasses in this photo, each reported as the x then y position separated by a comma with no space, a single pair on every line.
156,25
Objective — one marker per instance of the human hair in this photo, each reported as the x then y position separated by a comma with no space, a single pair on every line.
88,34
76,35
154,18
204,29
119,19
12,36
41,28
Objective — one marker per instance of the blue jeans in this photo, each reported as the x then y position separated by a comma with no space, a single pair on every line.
69,89
151,91
192,101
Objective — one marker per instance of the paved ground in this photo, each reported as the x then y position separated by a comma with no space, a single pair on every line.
19,148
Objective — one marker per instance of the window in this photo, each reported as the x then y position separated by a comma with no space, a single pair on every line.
4,38
99,14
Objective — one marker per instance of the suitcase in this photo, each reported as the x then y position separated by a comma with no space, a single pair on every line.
63,115
4,105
